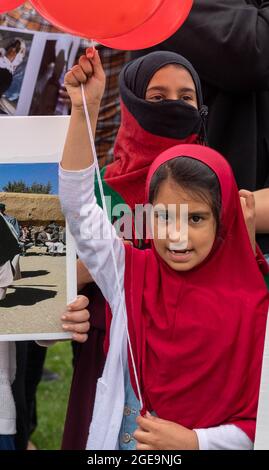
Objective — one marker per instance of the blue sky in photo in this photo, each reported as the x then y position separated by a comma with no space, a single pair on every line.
40,173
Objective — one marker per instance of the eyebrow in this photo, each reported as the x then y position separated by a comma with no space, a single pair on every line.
198,212
204,213
163,88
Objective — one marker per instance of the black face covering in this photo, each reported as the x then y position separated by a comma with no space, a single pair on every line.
168,118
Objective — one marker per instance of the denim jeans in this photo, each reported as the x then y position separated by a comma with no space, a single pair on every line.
7,442
130,413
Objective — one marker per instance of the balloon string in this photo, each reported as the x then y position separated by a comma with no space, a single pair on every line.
122,302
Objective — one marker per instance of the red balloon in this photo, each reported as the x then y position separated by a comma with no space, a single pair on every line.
96,18
160,26
8,5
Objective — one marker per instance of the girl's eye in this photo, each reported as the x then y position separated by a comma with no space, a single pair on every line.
187,98
195,219
162,216
156,98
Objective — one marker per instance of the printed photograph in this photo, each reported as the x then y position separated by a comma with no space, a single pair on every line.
32,69
14,54
54,65
32,250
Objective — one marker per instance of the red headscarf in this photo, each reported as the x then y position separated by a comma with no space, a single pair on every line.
198,336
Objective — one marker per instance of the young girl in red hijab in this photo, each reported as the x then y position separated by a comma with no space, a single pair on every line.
161,106
196,324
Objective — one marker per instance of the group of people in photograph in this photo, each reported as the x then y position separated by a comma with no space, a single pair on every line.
17,239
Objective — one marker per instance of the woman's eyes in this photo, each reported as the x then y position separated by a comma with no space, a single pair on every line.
186,98
156,98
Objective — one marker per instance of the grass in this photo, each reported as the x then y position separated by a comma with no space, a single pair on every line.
52,398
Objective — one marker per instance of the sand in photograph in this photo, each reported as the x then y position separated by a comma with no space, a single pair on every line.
36,302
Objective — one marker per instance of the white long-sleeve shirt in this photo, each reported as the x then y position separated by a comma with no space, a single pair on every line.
95,238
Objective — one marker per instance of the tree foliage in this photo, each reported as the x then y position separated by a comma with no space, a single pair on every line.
21,187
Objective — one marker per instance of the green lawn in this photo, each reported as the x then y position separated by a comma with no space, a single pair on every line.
52,398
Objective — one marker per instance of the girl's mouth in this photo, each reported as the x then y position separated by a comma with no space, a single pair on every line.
180,255
180,251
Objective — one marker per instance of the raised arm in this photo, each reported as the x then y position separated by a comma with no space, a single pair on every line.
89,72
93,233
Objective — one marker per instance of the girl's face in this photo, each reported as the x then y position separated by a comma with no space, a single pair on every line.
172,83
201,227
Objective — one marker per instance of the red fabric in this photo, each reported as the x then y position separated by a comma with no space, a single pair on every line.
135,149
261,261
198,336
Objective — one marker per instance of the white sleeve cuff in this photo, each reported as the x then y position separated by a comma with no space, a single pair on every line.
202,439
224,437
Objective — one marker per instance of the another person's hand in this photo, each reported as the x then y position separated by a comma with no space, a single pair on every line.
158,434
248,207
90,73
76,319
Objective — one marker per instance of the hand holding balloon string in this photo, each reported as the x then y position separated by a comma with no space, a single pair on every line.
89,73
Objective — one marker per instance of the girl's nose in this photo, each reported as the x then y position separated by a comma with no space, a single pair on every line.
178,230
174,234
178,240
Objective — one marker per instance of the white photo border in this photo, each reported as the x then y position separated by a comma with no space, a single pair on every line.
39,140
